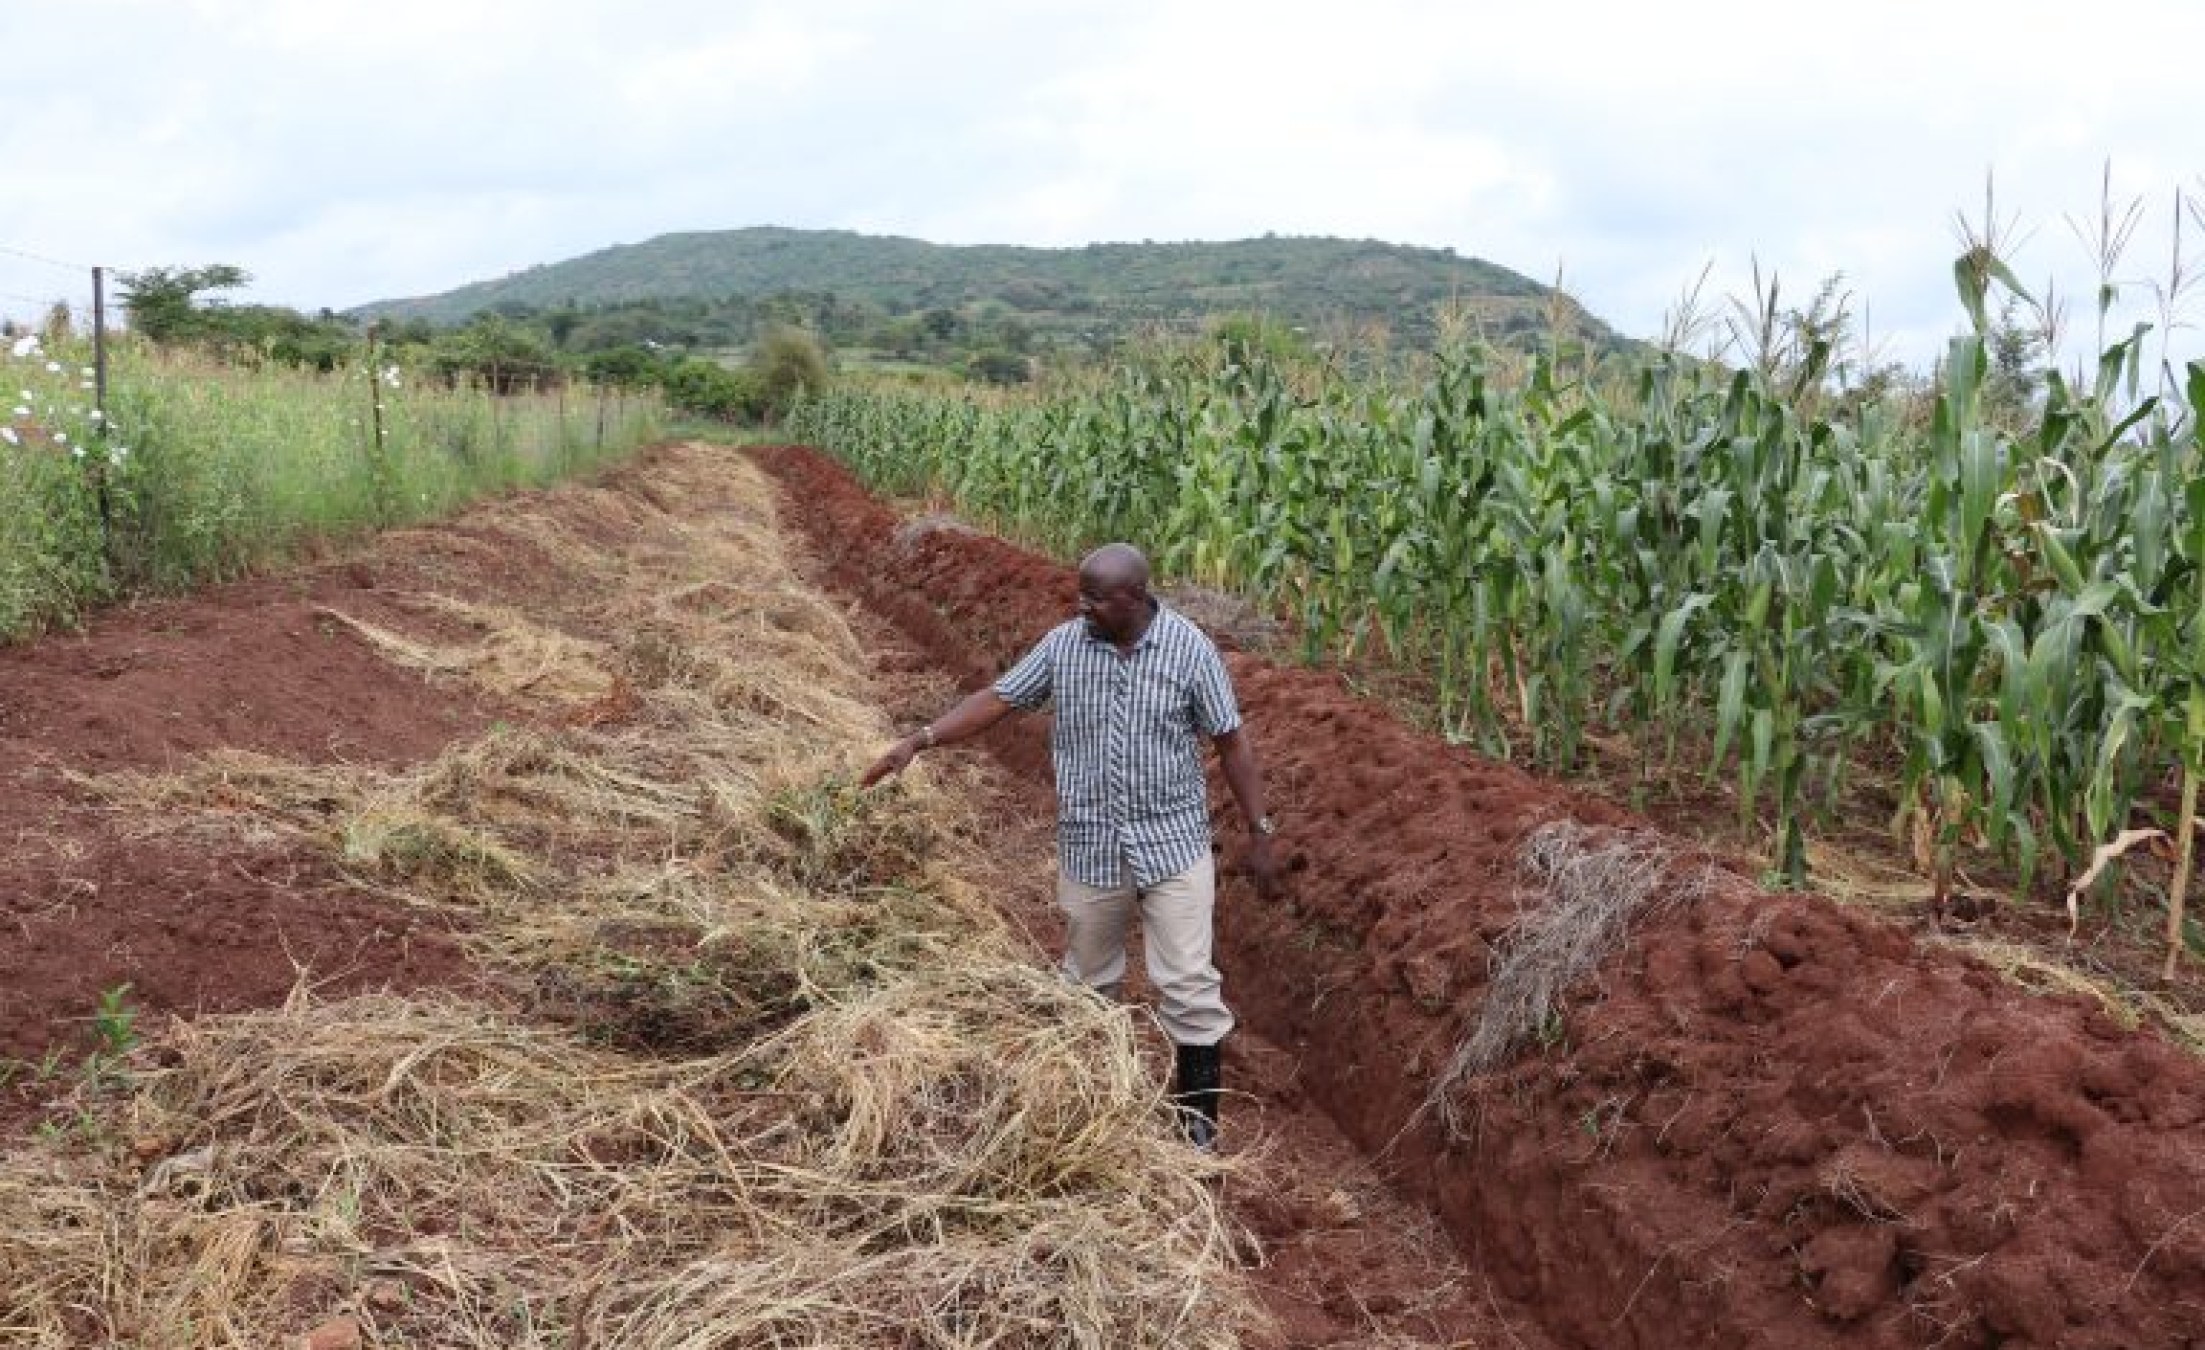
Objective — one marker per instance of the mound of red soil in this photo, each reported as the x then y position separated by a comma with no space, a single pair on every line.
1766,1122
189,925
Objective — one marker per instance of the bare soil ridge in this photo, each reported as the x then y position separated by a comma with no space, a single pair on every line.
89,904
1769,1121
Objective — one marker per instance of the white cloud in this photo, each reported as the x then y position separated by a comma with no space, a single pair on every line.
347,150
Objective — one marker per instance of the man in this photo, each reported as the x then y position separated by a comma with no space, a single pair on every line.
1136,687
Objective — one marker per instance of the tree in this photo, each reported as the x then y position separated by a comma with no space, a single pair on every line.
163,301
631,365
1013,335
506,358
787,362
1000,365
2017,367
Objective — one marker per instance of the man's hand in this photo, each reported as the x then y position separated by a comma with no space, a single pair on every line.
1263,866
981,709
1238,759
895,761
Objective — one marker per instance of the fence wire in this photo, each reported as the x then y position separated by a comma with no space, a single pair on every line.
33,286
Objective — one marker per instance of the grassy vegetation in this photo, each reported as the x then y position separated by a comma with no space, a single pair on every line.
1750,566
210,468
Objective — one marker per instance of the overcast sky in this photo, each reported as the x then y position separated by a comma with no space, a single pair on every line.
343,152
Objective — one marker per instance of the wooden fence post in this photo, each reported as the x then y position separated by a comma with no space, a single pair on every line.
378,448
97,452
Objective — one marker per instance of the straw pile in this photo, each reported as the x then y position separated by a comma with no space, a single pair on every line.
1590,887
776,1076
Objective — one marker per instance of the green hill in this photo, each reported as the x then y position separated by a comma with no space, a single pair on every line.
854,287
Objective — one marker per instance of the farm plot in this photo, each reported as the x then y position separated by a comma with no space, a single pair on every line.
607,1015
1654,1104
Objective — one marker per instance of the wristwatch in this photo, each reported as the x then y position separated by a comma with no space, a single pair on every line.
1265,826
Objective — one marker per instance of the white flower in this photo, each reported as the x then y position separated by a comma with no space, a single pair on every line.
25,346
87,384
53,367
86,371
28,395
8,434
61,438
78,452
21,411
117,455
98,416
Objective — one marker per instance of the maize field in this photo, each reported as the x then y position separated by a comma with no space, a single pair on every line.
1689,556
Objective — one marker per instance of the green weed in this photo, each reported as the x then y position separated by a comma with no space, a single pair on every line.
115,1023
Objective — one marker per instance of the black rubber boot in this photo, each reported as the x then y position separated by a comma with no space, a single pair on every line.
1194,1090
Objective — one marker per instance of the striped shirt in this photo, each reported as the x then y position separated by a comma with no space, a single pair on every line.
1130,790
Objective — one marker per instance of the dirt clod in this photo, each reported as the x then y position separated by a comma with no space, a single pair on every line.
1853,1270
338,1333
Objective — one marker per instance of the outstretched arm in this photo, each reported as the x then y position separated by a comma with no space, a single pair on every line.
981,709
1238,758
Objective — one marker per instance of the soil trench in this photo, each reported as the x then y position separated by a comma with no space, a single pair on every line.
223,920
1342,1258
1764,1121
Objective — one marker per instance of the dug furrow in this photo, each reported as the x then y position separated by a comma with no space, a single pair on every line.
1757,1120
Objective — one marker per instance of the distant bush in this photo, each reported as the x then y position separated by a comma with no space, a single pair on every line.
996,365
628,365
709,389
787,363
1241,338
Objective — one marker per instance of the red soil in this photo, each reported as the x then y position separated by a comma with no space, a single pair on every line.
1769,1121
187,925
192,925
196,924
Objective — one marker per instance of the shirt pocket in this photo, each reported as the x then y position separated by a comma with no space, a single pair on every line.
1162,702
1082,718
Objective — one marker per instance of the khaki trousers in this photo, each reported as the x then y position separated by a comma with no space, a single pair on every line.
1175,932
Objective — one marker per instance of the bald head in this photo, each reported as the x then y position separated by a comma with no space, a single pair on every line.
1114,593
1115,567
